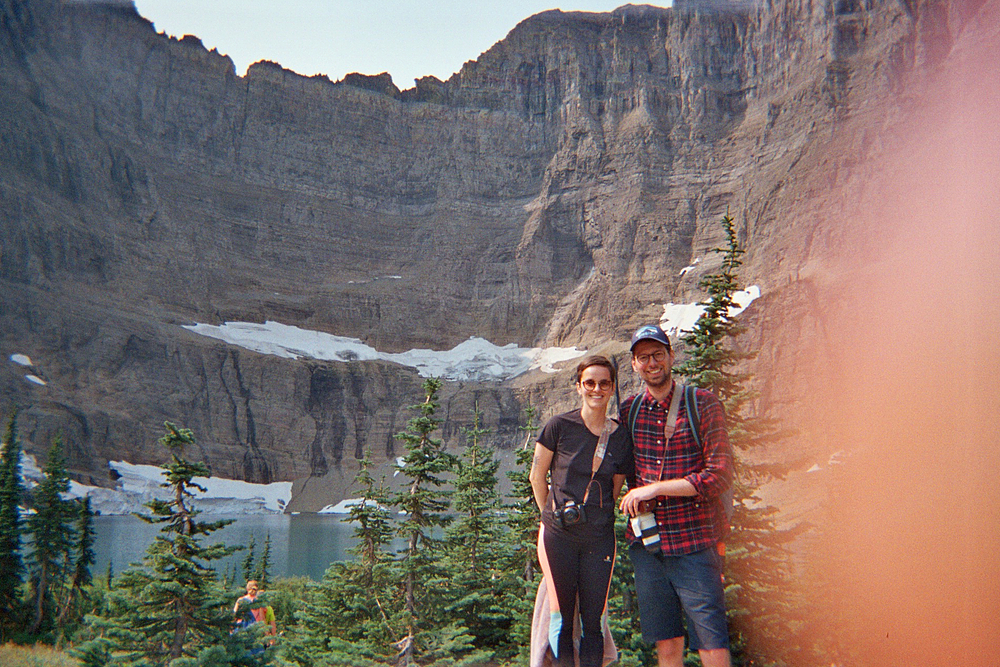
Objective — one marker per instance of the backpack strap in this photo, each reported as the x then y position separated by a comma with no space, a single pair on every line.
668,427
633,414
694,422
671,425
691,406
633,410
726,498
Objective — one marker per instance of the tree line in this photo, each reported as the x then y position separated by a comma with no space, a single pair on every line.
47,590
458,592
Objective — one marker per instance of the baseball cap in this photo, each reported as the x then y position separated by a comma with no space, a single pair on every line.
650,332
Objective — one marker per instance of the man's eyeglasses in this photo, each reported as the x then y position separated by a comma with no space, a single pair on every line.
643,359
591,385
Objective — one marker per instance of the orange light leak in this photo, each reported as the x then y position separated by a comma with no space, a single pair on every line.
912,541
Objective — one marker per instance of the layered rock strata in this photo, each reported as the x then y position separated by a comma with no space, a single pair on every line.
548,193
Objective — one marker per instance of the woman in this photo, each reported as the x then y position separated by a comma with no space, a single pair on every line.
576,539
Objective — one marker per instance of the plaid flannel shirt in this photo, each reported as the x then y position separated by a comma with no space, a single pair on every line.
687,524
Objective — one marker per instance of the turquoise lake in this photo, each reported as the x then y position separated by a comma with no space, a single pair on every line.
301,544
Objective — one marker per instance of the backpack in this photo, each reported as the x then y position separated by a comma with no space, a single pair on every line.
245,618
691,407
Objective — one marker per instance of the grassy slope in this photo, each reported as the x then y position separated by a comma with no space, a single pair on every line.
34,656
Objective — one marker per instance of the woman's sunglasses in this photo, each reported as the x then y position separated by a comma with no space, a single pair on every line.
591,385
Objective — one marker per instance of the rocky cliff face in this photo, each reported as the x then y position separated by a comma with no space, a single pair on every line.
549,193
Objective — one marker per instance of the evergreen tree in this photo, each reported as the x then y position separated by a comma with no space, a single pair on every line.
377,609
623,608
431,637
757,565
374,529
523,518
51,534
474,540
83,558
475,500
347,619
250,559
11,494
523,515
262,573
84,549
172,609
424,505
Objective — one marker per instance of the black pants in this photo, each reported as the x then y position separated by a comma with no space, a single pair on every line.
580,571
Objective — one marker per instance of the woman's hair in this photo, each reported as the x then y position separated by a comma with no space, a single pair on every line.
596,360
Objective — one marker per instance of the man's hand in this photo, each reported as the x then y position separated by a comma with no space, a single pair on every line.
666,487
630,503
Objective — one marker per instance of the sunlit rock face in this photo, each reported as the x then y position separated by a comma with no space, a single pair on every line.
550,193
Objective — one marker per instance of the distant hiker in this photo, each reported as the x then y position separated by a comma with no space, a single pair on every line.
683,464
581,461
248,607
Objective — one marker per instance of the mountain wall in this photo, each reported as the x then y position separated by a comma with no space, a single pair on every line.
549,193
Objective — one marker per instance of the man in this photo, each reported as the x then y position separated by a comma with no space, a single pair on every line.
261,612
680,483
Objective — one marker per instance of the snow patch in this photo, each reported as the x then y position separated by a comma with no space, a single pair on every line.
678,318
37,380
743,299
344,506
222,496
473,360
371,280
140,484
30,472
688,269
21,359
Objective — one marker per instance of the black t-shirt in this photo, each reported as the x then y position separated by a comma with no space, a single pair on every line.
573,447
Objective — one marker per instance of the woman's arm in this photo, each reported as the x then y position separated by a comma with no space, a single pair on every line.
538,476
617,481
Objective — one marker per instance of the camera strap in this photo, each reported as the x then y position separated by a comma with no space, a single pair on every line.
602,448
668,427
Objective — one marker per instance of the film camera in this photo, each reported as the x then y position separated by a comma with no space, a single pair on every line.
570,514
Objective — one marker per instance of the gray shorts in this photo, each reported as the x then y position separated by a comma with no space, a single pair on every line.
672,588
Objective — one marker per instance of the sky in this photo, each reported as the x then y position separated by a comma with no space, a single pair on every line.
407,38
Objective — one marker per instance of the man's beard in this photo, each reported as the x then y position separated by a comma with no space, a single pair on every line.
663,381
